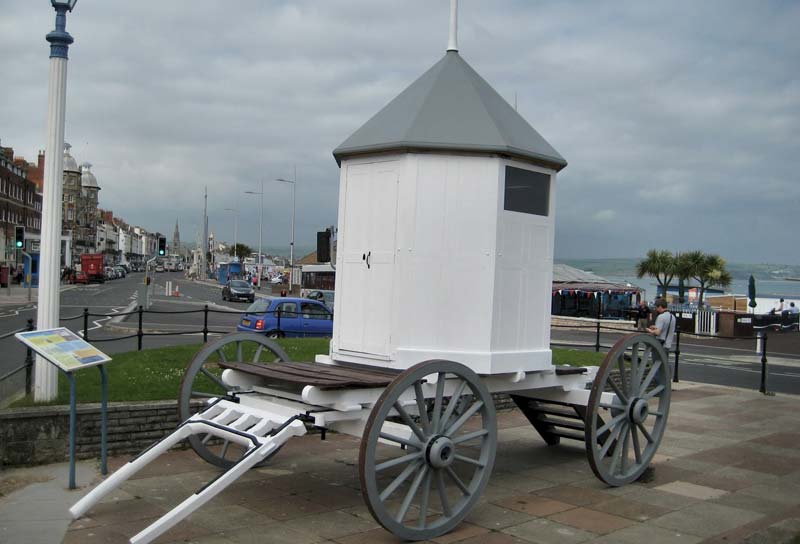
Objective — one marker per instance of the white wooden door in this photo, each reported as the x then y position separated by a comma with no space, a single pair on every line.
368,240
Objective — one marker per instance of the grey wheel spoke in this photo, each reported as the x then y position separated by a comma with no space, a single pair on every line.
401,440
470,436
652,374
611,406
469,460
625,444
225,446
453,476
637,449
423,412
402,477
257,355
622,374
614,457
206,438
612,438
214,378
619,392
654,392
398,461
423,503
616,419
221,354
239,357
464,417
409,422
440,487
437,403
633,386
401,514
451,406
646,433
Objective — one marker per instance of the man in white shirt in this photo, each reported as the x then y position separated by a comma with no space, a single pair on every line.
664,327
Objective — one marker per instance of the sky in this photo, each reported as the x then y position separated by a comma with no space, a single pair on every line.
680,120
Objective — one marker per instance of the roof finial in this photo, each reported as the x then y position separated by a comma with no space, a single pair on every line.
452,44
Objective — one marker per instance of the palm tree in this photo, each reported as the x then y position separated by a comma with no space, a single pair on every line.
660,264
708,270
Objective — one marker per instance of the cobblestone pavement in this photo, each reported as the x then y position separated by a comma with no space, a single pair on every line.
728,470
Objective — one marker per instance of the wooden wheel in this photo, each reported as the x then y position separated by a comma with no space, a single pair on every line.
436,424
625,426
202,380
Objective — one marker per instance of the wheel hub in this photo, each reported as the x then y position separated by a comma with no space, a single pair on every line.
639,410
440,452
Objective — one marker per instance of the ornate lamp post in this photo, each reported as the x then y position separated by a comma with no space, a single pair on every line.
47,316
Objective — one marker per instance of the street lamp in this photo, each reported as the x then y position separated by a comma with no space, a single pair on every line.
291,246
47,314
260,228
235,227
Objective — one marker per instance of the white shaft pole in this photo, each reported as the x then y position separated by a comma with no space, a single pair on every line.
260,232
294,209
45,374
452,43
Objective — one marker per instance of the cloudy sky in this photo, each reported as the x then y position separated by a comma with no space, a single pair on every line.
680,119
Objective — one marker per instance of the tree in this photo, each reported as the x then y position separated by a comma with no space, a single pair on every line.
708,270
241,251
660,264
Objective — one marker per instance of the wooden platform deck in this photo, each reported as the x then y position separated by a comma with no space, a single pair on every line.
319,375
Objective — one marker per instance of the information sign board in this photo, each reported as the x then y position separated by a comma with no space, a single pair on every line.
63,348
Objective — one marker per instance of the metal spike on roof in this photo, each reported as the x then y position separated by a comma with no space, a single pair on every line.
451,108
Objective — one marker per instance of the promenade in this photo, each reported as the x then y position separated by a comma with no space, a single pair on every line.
728,470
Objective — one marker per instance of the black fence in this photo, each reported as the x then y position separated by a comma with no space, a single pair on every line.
761,333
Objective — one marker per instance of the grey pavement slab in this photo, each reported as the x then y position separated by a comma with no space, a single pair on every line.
739,486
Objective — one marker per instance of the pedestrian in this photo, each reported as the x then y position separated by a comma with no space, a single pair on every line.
793,310
642,316
664,327
778,309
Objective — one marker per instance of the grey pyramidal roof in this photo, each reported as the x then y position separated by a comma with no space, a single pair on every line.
451,107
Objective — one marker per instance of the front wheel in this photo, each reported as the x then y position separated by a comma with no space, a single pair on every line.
274,335
440,419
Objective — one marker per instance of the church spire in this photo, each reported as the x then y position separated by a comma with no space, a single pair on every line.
176,239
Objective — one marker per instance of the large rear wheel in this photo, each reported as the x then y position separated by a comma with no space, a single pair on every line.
202,380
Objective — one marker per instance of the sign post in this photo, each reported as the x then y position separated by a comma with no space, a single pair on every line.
69,352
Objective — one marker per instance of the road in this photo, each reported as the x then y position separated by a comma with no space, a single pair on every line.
733,363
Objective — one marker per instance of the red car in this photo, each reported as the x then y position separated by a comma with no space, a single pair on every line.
80,277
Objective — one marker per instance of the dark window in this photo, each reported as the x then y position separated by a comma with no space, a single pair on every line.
527,192
314,311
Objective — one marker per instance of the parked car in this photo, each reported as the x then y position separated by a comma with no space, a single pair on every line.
120,271
323,295
159,268
288,317
110,273
238,290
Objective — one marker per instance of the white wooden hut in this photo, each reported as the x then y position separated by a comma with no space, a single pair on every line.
446,224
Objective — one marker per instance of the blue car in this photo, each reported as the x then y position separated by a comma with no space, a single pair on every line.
288,317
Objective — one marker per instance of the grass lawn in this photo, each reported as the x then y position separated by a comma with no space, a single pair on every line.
155,374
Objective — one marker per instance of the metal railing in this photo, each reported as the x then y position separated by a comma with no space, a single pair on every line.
27,366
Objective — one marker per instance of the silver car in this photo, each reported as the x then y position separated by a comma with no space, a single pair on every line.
238,290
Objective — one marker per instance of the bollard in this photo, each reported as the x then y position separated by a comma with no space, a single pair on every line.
86,324
677,352
205,324
597,338
29,364
139,333
763,388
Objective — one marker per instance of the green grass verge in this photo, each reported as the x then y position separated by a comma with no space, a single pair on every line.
155,374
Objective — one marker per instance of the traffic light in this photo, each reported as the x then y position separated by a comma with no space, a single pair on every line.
162,246
19,237
324,246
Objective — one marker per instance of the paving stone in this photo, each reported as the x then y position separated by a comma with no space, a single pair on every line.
780,491
216,518
743,457
330,525
520,482
660,498
463,532
101,535
493,538
631,509
694,491
753,503
638,534
374,536
591,520
494,517
545,531
534,505
574,495
705,519
287,507
275,533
